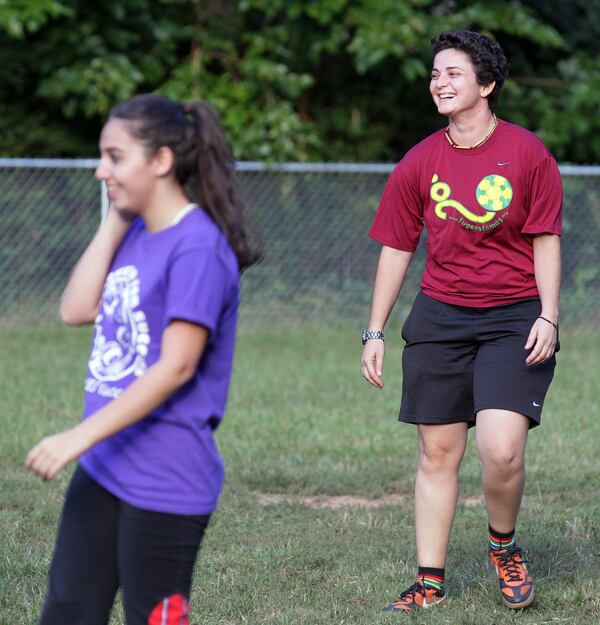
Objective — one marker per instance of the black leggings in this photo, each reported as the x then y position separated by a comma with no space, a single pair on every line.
104,544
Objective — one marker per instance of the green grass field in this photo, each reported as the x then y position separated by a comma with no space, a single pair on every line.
301,421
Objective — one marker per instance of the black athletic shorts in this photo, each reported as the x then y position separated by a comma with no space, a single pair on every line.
458,360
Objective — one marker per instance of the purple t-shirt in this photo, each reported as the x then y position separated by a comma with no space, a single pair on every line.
168,461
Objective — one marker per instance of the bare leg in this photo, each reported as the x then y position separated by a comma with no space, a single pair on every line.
436,489
501,437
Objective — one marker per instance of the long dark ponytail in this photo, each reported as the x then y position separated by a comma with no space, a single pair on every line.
204,164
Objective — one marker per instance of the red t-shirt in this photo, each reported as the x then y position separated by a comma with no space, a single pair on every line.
481,208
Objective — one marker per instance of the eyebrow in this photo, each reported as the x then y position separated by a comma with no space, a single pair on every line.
435,69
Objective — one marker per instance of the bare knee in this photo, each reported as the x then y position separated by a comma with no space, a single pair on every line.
505,463
439,458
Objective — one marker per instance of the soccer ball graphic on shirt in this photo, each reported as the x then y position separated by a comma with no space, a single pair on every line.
494,193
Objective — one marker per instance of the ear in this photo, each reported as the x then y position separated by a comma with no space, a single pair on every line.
163,161
485,90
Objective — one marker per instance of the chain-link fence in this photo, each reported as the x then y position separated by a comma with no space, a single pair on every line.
313,218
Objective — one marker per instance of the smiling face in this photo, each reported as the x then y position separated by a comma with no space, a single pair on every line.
129,173
454,86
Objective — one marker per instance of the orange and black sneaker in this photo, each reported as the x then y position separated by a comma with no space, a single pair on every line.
416,597
516,584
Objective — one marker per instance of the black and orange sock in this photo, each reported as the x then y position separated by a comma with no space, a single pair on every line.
498,540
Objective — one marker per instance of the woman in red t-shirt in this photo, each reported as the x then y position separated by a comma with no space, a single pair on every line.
483,331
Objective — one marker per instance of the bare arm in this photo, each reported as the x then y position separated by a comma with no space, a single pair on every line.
181,348
391,271
547,266
81,298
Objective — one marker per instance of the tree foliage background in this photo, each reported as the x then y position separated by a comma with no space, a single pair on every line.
321,80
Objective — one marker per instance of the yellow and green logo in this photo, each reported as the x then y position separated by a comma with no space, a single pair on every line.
493,194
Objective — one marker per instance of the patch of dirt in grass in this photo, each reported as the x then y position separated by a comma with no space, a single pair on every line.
335,502
471,502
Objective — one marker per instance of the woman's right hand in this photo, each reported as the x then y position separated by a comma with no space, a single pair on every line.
120,217
81,298
389,276
372,362
52,453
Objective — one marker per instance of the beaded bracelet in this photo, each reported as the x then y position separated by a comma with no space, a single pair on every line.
551,322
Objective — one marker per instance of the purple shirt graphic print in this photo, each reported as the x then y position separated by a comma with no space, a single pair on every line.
168,461
123,351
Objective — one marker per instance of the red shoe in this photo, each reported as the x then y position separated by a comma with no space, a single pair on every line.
416,597
516,584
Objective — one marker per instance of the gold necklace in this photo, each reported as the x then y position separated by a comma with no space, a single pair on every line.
471,147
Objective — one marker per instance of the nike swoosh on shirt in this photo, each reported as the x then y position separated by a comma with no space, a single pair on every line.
501,164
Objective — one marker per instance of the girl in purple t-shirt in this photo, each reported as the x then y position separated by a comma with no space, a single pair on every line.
160,281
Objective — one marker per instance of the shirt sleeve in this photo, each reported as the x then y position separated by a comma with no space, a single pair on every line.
399,219
545,199
197,288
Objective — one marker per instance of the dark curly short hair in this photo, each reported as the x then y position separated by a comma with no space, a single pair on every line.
486,55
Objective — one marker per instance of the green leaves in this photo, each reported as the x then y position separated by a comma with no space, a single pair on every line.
387,28
91,88
572,126
21,17
293,80
510,18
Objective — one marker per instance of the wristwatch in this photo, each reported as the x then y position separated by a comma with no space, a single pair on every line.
371,334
